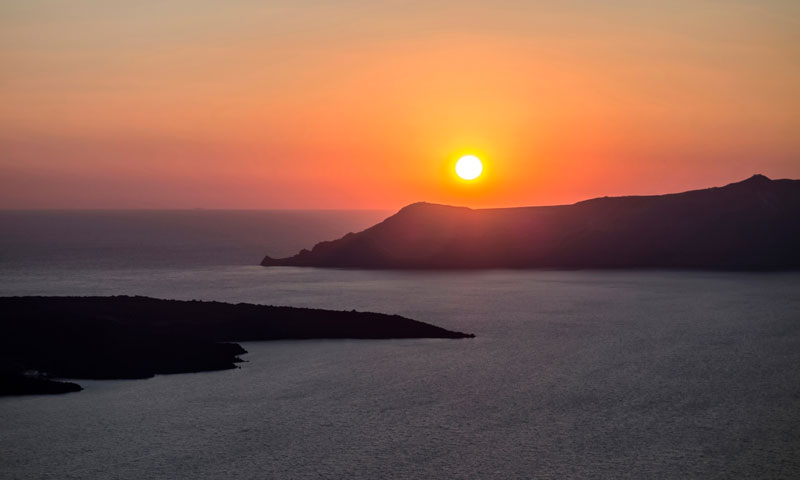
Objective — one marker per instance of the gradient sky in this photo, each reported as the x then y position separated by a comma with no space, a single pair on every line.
367,104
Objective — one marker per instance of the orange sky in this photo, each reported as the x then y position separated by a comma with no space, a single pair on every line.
359,104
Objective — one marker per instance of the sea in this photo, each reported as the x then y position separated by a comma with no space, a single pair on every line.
611,374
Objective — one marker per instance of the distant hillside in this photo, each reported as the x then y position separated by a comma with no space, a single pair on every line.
753,224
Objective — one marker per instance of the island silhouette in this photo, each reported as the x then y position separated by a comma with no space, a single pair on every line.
138,337
752,224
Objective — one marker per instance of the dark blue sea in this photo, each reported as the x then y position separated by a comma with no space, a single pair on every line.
572,375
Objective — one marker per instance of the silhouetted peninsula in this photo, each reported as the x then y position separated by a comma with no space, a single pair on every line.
753,224
138,337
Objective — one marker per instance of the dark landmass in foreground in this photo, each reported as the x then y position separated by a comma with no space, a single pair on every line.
753,224
138,337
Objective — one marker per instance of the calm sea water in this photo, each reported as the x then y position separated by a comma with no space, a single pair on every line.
596,374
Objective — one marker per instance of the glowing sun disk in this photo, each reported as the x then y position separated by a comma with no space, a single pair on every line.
469,167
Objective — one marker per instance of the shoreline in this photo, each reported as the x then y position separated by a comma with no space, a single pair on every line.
121,337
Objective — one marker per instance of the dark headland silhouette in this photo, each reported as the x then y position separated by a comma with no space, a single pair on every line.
753,224
138,337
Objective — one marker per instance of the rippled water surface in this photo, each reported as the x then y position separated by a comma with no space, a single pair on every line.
572,375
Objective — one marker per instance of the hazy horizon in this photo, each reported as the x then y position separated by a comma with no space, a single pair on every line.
267,209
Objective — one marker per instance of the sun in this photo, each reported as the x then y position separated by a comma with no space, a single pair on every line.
469,167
